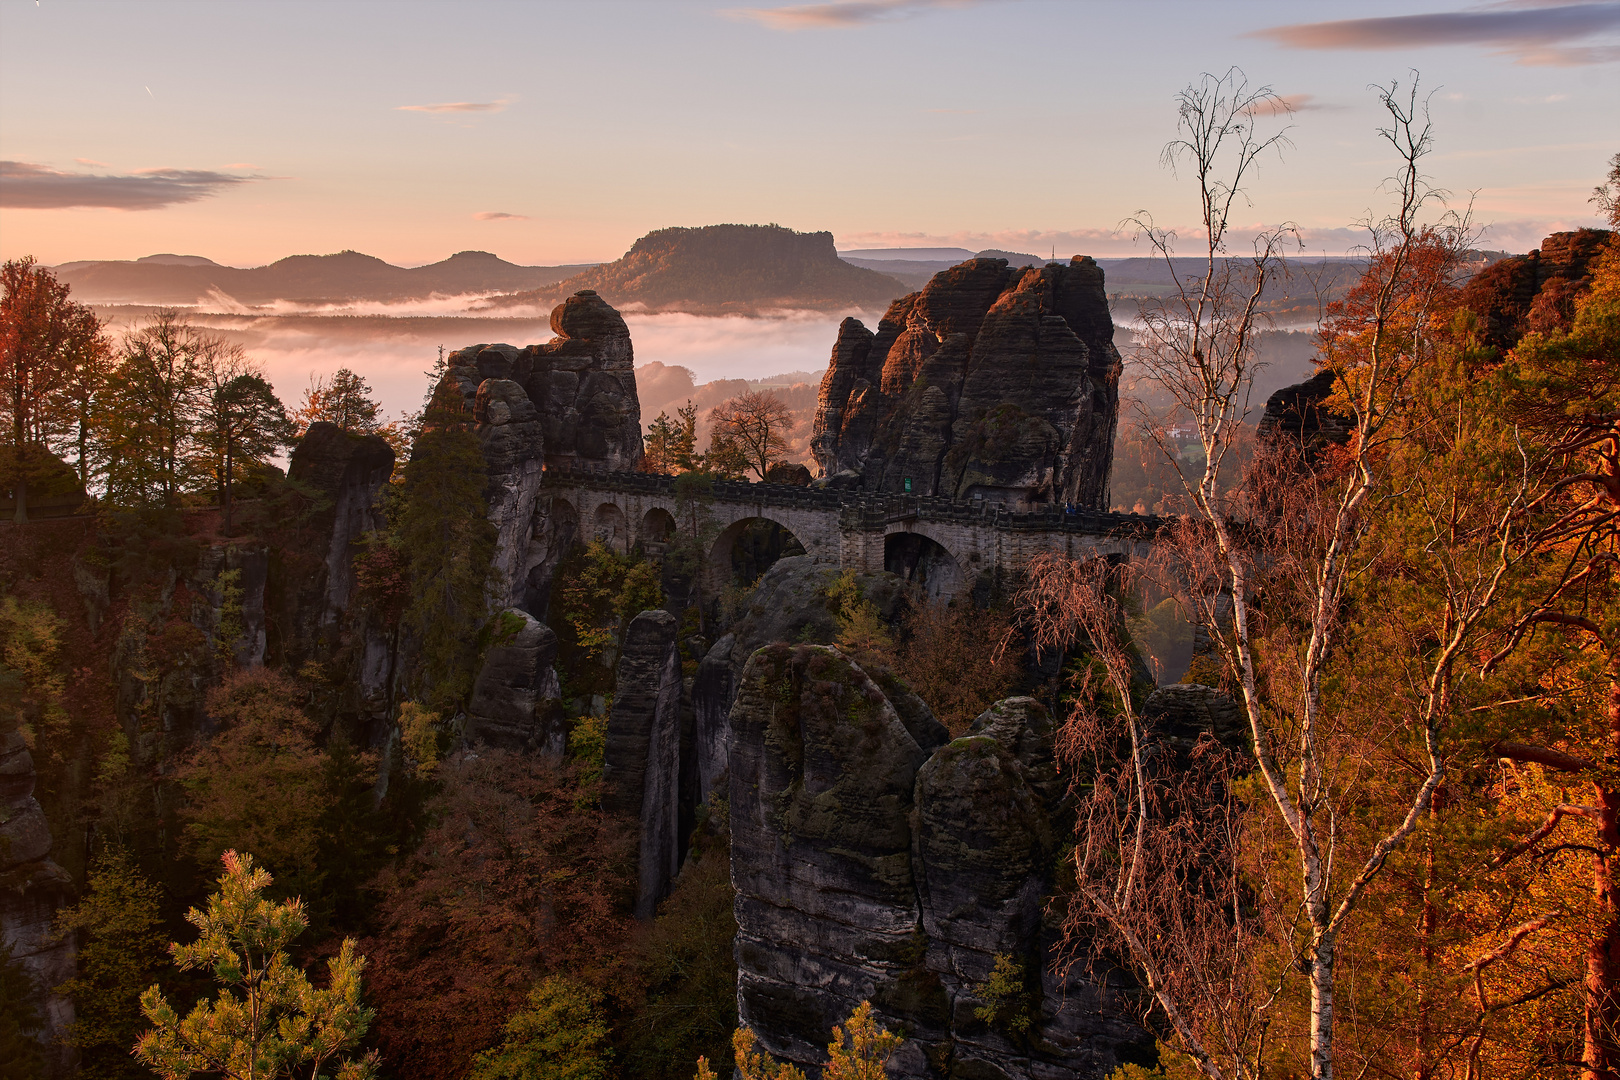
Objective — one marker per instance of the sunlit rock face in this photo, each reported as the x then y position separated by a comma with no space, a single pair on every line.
876,860
569,403
991,381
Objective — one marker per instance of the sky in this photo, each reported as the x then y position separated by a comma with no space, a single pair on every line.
558,132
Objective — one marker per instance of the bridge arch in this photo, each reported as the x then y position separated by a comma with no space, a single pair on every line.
924,560
657,527
748,547
611,527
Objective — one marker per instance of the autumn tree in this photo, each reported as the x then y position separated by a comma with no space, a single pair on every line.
1269,557
1157,876
749,432
121,951
560,1033
1607,194
344,399
85,398
860,1050
240,421
1562,389
258,782
43,337
949,655
268,1021
151,421
513,882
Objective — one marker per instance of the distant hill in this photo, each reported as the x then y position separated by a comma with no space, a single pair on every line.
725,269
951,255
346,277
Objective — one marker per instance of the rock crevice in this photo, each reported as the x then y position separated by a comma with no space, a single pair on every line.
875,860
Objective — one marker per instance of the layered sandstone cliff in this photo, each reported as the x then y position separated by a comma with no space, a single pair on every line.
569,403
990,382
876,860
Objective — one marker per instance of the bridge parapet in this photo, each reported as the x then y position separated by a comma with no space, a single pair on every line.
868,511
784,495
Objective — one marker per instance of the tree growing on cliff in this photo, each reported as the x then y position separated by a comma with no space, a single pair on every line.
344,399
1562,390
442,527
240,420
121,951
268,1021
259,782
750,432
1272,557
559,1034
44,336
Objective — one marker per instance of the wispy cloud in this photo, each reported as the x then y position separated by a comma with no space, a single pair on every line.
1285,104
457,106
498,215
243,165
104,165
24,185
1533,34
841,13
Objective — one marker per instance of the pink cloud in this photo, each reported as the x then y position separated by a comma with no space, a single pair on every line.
498,215
39,187
457,107
839,14
1534,34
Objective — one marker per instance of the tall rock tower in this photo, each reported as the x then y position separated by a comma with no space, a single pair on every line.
993,382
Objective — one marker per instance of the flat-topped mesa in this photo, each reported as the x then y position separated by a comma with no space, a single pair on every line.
569,403
991,381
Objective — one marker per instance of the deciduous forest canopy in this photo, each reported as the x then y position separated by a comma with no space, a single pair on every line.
340,745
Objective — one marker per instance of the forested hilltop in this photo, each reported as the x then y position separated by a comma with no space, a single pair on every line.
426,770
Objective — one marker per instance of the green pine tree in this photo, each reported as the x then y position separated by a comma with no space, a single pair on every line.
268,1020
448,542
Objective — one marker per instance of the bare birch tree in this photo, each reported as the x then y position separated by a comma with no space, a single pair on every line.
1267,558
1156,862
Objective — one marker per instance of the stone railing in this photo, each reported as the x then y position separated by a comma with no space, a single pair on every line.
866,511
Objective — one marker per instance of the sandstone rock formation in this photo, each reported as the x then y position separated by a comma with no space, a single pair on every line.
641,764
570,403
790,603
875,861
990,381
1535,291
32,888
348,469
1511,297
514,700
1299,413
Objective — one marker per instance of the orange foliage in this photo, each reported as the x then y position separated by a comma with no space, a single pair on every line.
511,884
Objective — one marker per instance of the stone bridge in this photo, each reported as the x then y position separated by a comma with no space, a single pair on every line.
941,545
